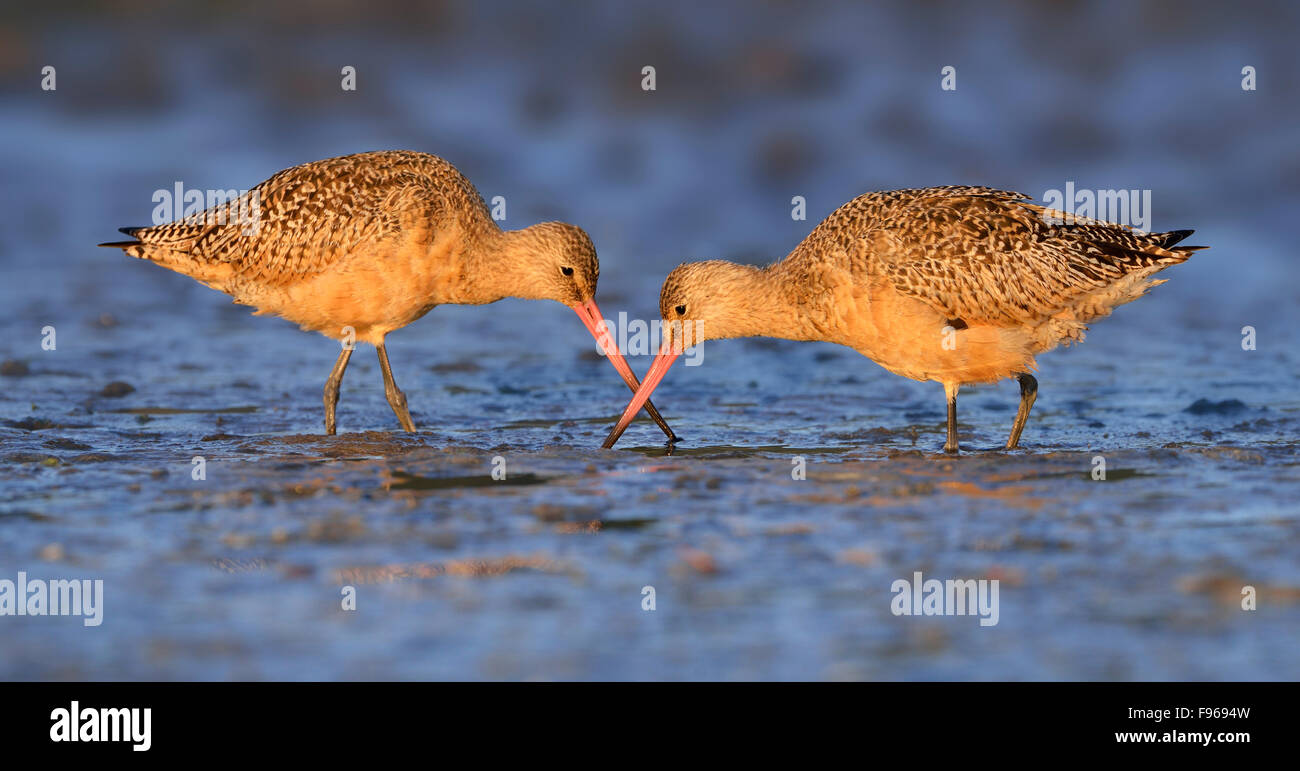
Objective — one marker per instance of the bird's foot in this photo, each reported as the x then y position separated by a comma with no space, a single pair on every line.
397,400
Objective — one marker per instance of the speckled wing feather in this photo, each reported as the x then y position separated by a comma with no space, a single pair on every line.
306,218
980,254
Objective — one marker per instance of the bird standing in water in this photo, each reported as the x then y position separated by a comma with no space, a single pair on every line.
952,284
358,246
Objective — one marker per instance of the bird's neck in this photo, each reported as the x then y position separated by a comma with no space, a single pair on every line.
498,266
762,302
517,247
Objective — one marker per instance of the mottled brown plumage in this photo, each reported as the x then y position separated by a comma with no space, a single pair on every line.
951,284
358,246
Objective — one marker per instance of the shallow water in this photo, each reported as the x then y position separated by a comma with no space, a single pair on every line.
757,574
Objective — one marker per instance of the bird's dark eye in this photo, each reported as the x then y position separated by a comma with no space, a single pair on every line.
681,310
566,270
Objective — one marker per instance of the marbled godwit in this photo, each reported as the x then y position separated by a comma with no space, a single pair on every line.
952,284
358,246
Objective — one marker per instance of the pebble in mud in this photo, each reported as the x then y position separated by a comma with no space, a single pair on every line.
117,389
1207,407
14,368
549,512
35,424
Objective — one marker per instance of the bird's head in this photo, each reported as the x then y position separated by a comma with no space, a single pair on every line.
710,300
562,264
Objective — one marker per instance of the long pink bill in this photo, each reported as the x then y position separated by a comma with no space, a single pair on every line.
596,325
657,371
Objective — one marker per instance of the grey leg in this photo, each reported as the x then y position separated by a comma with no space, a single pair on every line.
1028,393
950,392
396,399
332,389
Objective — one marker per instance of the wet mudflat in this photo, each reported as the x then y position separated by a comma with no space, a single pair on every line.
757,573
460,573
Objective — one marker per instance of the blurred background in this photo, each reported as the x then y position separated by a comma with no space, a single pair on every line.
754,103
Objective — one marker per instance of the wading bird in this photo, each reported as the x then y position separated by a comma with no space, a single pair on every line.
358,246
951,284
